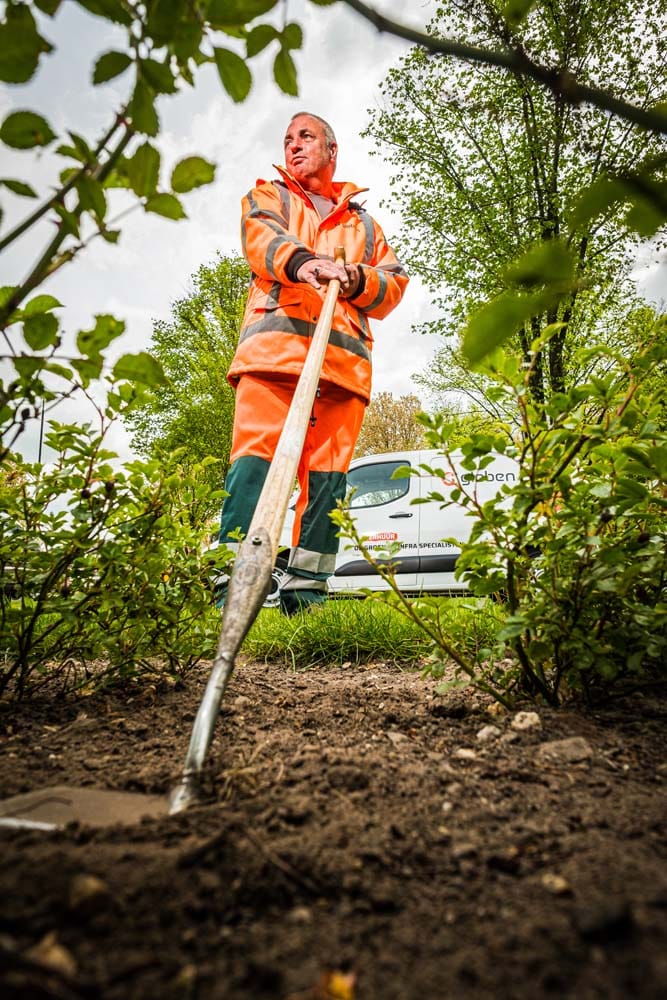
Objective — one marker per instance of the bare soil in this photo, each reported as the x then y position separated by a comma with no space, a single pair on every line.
359,842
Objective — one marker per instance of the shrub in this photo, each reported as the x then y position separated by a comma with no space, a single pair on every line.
577,546
102,564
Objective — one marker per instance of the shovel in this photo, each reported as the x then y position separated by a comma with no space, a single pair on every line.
250,582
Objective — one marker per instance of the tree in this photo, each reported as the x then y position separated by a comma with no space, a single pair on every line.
513,55
390,424
194,408
490,168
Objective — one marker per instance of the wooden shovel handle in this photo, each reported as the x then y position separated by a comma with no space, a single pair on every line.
279,484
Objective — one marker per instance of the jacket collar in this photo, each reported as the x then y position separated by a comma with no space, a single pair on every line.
344,190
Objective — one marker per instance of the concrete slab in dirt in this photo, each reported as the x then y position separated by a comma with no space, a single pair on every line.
55,807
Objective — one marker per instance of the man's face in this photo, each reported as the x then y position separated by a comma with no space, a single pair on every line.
307,156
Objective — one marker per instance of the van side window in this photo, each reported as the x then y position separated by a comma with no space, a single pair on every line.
372,484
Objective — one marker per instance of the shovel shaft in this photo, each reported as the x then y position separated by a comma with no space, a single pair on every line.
279,484
250,580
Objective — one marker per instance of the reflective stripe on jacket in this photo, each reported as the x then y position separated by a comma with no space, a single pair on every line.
281,314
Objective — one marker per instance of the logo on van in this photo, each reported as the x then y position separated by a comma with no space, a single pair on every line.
449,478
383,536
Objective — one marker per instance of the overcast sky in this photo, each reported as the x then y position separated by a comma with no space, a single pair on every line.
340,66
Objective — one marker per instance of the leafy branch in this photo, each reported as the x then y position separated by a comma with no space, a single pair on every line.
562,84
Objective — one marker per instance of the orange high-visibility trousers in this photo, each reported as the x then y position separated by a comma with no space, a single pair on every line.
262,403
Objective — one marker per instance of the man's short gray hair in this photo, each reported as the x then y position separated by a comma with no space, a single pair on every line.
328,131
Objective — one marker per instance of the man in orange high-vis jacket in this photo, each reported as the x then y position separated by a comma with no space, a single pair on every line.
290,228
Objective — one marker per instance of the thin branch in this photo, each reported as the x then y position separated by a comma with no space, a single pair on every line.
516,60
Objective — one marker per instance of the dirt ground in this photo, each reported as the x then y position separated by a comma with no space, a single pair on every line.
363,841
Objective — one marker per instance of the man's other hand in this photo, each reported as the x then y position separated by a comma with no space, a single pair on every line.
321,271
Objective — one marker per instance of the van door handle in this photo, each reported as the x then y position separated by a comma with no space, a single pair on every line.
402,514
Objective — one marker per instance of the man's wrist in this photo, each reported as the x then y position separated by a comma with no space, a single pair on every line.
297,260
360,286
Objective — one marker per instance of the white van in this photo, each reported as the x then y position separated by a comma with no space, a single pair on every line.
384,514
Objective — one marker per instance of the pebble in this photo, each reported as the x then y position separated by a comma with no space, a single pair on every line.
556,884
463,850
524,721
465,753
569,751
300,915
487,733
52,955
396,738
88,894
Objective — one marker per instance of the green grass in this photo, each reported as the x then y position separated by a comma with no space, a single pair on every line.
364,631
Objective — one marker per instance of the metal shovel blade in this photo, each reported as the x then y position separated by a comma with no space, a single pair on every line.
55,807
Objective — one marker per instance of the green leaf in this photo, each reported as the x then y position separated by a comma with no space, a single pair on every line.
110,65
107,328
110,10
48,6
18,187
21,45
143,170
41,331
492,324
649,208
65,150
141,110
234,74
6,292
186,46
41,304
92,196
258,38
88,369
141,367
167,19
27,364
167,205
516,10
82,147
222,13
190,173
598,198
62,371
111,235
548,263
324,3
158,76
25,130
284,73
292,36
70,221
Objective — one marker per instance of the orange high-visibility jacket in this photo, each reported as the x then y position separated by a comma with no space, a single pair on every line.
279,220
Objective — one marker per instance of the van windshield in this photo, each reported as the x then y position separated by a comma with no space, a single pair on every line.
372,484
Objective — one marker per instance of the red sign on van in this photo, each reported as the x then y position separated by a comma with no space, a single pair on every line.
383,536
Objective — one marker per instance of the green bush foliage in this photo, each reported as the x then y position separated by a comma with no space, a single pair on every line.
104,567
577,547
